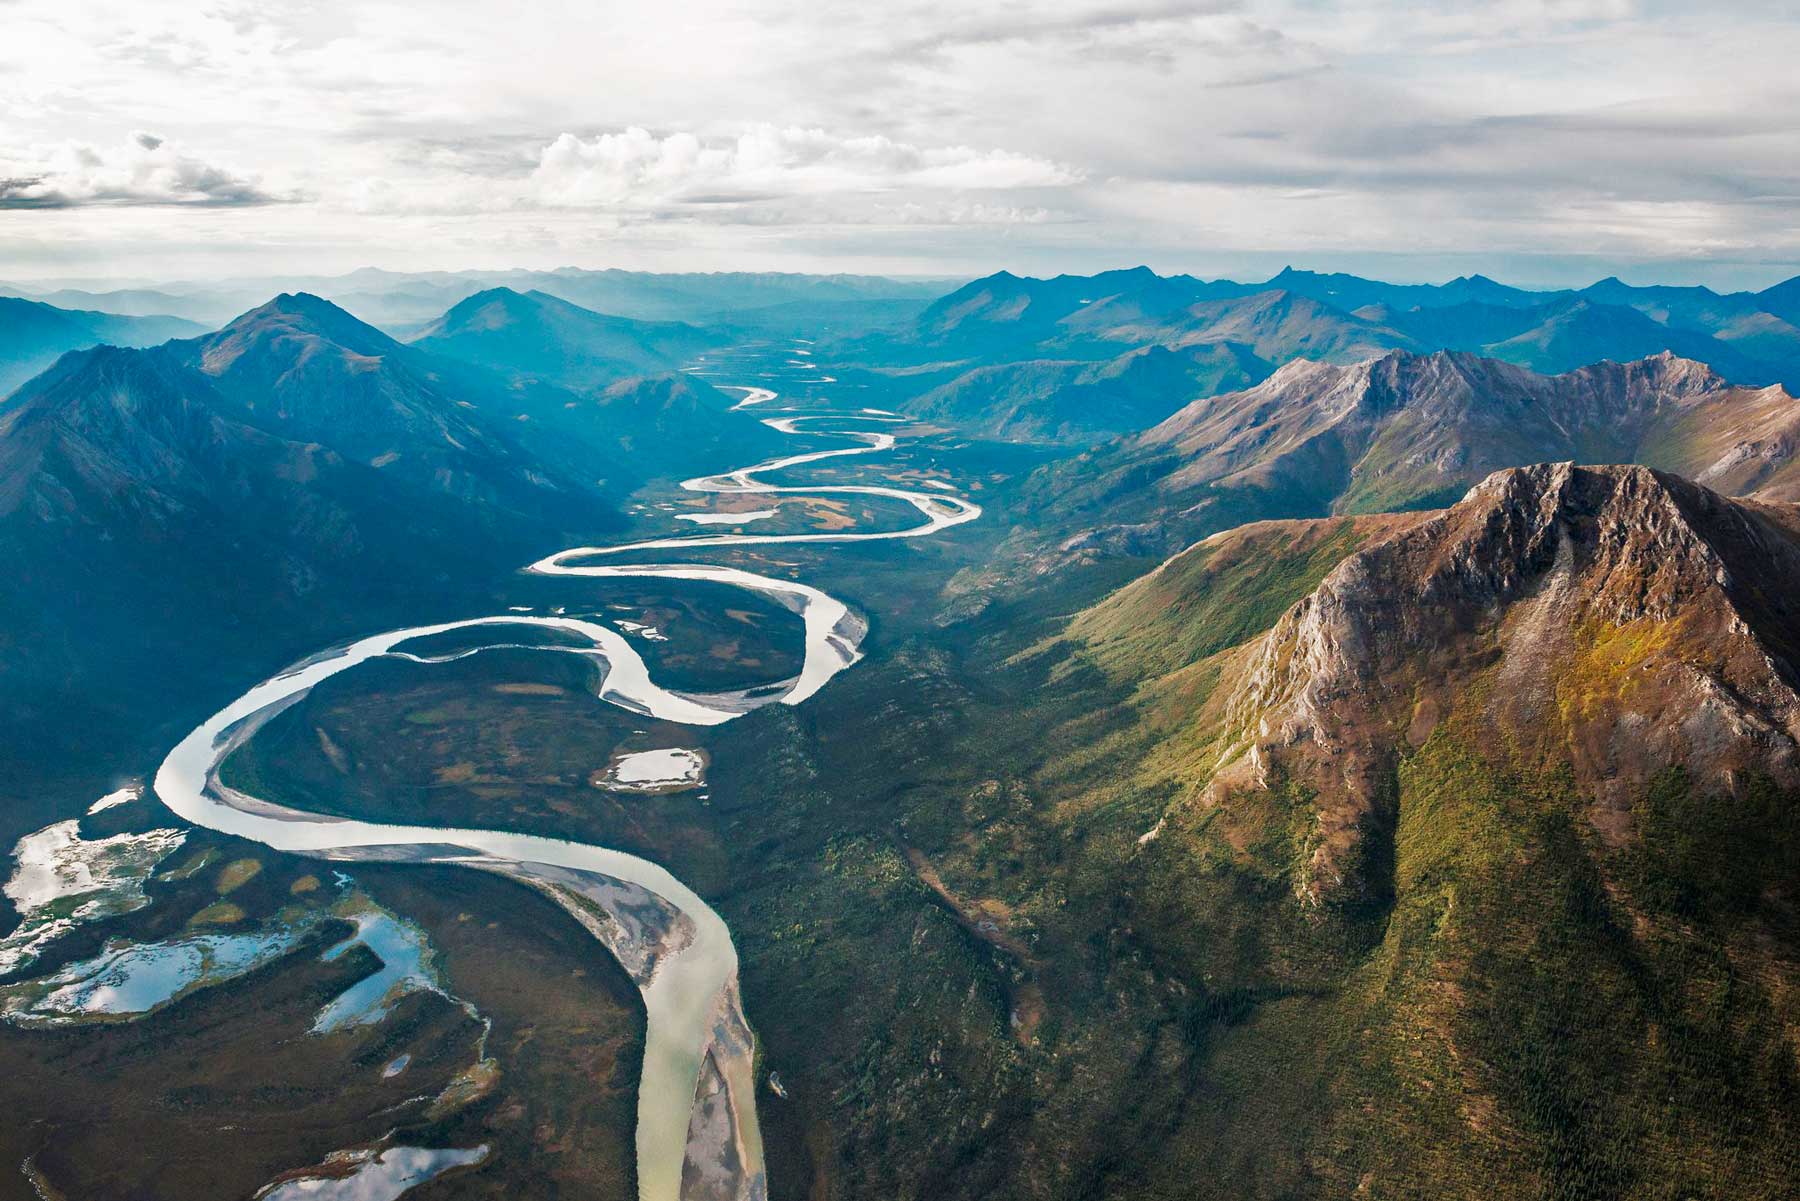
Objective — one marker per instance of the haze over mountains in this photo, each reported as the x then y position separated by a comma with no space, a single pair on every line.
33,335
404,302
1068,360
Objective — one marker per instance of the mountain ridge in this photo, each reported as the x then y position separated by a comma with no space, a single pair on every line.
1660,580
1409,431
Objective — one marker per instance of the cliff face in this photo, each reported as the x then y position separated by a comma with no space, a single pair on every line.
1617,619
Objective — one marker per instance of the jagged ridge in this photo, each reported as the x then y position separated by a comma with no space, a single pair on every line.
1617,618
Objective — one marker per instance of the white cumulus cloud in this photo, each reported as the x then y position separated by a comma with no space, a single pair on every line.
636,168
144,169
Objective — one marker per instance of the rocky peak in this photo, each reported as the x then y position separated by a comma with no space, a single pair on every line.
293,328
1616,617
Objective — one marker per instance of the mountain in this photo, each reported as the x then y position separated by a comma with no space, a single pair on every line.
1276,326
1445,854
536,335
1741,320
148,528
1350,292
1081,403
673,426
1783,300
34,334
725,296
304,369
1492,788
204,310
1407,431
596,392
1004,318
1575,331
1549,582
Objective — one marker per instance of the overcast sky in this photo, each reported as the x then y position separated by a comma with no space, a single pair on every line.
1540,141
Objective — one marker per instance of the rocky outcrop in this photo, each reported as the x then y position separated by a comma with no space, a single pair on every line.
1614,618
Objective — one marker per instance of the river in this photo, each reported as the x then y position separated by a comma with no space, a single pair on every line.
697,1133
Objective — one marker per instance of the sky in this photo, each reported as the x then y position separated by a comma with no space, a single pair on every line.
1542,142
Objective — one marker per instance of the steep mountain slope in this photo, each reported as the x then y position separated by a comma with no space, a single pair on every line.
1783,300
1082,403
302,368
1110,918
536,335
1409,430
33,335
147,528
1616,621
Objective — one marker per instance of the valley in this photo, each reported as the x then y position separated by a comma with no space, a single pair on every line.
1316,785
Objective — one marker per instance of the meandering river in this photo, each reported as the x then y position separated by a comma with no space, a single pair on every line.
697,1133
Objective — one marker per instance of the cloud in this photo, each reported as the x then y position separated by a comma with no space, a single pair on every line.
637,169
144,169
1046,134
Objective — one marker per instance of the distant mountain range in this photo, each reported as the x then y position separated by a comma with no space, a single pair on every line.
948,354
405,302
1299,313
33,335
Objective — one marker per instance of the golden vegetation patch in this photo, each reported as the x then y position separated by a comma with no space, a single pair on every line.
236,874
1600,677
219,913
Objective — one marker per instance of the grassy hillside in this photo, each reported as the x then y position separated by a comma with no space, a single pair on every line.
999,943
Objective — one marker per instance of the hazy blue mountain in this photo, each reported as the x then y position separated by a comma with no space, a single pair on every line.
1568,333
302,368
1006,319
533,335
203,309
1080,402
1353,291
403,303
149,528
720,297
1783,300
34,334
1276,326
675,425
